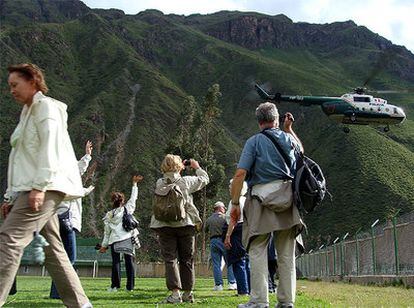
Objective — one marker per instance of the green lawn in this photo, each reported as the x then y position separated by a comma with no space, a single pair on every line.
33,292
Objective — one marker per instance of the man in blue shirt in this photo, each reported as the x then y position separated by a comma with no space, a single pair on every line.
267,171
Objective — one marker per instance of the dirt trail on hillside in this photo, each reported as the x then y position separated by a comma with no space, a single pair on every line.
117,147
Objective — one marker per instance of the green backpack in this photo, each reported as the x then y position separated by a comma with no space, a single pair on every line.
168,202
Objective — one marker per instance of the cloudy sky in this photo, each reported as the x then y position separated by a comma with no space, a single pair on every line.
392,19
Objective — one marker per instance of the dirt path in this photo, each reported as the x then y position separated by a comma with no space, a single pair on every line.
117,146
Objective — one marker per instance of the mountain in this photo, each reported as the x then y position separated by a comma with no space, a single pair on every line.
125,79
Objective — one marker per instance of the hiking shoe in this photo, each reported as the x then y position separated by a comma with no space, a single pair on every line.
172,300
253,305
112,289
218,288
232,286
188,297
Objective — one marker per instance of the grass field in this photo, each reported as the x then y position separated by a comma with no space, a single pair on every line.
33,292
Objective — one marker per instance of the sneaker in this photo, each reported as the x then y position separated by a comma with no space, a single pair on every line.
232,286
218,288
172,300
87,305
253,305
112,289
188,297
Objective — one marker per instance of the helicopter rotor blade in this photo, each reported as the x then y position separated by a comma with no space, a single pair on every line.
404,91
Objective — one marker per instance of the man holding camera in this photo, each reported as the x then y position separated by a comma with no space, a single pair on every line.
269,174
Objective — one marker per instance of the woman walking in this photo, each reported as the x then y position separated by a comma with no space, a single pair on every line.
177,235
119,239
42,171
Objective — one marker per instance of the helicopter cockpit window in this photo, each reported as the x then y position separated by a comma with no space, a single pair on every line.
395,110
363,108
362,99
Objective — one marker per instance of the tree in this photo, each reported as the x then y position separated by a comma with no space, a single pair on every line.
196,129
206,129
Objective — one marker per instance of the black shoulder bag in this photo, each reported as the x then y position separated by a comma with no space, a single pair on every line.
129,222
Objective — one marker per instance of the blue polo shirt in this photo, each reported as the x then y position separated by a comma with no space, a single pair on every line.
262,160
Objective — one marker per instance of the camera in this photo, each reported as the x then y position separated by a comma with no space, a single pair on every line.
283,118
187,162
98,246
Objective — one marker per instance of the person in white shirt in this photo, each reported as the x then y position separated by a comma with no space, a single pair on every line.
177,238
42,171
70,217
120,240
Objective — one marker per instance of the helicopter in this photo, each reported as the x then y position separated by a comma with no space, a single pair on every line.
351,108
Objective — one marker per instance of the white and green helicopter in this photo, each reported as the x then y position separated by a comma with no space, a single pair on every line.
351,108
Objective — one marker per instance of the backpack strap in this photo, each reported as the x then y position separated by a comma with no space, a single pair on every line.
279,149
277,145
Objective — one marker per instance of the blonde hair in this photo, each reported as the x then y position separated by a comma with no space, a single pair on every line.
171,163
30,72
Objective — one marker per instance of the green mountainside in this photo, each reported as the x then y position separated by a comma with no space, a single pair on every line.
125,79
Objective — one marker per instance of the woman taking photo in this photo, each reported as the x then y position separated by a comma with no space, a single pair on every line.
177,237
42,171
119,239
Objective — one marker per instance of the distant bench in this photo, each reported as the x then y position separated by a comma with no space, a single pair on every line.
85,256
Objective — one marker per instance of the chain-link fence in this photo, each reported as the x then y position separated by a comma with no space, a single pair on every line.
386,249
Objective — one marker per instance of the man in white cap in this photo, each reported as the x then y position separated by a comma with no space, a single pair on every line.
214,225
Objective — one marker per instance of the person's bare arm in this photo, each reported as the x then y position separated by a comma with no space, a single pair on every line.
287,127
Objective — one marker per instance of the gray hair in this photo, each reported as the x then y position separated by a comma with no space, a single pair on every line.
267,112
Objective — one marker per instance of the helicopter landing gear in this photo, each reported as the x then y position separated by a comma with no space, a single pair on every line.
386,129
346,129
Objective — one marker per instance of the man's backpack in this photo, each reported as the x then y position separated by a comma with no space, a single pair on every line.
309,184
168,203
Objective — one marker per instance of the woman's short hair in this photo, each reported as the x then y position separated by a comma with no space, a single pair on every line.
117,199
171,163
30,72
267,112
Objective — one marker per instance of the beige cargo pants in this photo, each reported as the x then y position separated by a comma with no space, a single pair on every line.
16,233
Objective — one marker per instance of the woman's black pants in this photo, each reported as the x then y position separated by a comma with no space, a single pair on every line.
116,270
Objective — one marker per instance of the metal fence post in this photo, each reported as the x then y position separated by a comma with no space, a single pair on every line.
394,227
357,250
320,260
326,260
343,254
374,265
334,256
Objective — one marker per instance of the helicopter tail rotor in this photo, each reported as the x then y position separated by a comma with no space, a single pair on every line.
262,93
